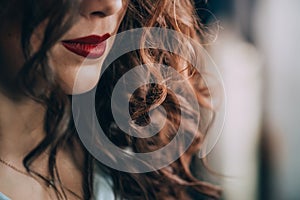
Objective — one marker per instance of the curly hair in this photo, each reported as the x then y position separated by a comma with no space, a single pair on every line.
39,82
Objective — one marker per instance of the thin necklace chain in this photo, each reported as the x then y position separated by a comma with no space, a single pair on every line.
13,167
49,182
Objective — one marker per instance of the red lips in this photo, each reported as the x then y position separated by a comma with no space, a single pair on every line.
92,46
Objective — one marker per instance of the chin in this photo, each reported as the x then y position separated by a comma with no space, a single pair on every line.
85,79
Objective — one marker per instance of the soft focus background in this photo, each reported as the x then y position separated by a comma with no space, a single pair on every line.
257,51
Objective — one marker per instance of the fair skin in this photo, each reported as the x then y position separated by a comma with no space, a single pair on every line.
21,120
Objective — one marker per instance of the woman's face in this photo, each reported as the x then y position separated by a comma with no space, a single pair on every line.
83,47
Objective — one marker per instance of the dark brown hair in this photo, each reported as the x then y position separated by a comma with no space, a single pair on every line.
39,82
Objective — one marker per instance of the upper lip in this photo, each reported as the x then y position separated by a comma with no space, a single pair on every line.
91,39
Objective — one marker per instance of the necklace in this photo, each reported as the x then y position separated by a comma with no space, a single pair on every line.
13,167
50,183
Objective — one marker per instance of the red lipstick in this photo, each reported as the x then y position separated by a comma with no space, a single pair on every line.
92,46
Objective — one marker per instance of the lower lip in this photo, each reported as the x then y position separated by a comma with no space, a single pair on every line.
92,51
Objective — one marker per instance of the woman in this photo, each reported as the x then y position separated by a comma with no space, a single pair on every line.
42,46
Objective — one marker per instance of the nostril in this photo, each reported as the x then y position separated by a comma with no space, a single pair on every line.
100,8
98,14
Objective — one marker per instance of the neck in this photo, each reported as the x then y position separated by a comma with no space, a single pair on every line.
21,127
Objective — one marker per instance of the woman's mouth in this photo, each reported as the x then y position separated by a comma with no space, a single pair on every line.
92,46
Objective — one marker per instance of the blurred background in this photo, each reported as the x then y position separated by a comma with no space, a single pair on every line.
255,45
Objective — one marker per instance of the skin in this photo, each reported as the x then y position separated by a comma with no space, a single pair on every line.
21,121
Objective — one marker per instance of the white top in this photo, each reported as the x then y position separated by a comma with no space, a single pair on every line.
103,185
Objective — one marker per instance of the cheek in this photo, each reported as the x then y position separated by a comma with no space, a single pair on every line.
37,37
11,55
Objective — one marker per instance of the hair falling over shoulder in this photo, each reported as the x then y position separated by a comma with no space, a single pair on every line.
173,182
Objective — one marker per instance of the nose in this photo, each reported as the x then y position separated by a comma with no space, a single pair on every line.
100,8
